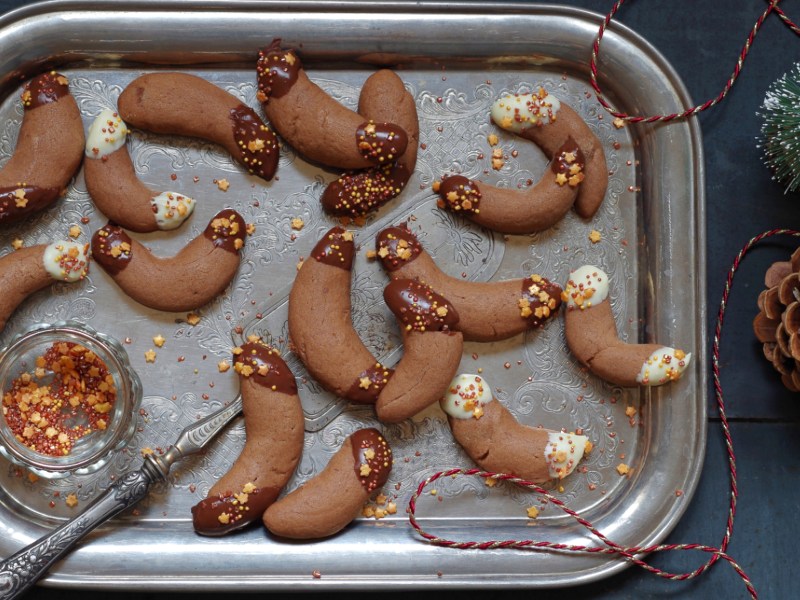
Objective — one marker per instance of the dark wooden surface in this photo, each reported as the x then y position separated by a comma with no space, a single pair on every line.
702,41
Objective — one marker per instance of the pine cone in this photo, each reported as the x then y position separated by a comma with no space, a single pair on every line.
777,325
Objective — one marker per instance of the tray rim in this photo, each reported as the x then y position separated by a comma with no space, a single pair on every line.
47,7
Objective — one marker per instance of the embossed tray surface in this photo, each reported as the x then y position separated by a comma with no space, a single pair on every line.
455,59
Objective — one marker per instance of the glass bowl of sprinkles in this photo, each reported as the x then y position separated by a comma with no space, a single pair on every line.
70,399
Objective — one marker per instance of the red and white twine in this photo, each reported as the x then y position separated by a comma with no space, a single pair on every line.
608,546
689,112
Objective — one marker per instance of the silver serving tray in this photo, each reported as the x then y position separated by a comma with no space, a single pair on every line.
455,58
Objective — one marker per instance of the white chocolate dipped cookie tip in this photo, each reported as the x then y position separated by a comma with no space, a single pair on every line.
106,134
563,452
518,112
466,396
587,286
66,261
171,209
664,365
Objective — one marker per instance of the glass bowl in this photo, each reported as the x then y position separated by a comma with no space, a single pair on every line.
29,379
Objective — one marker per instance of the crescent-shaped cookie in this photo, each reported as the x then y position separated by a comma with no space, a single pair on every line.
487,311
518,211
549,122
327,503
48,151
577,172
188,280
592,337
116,190
321,328
431,350
498,443
273,421
316,125
29,270
183,104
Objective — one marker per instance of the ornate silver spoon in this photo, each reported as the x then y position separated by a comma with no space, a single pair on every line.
23,569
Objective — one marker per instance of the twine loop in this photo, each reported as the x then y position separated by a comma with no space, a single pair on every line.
610,547
772,7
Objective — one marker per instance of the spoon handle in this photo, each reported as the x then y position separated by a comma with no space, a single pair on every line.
23,569
26,567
